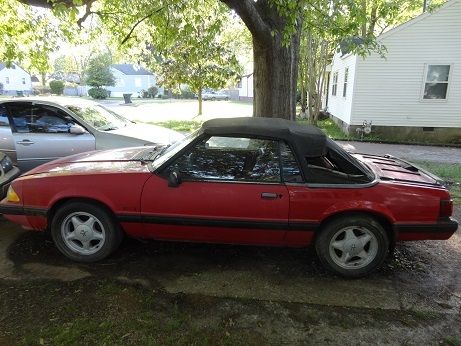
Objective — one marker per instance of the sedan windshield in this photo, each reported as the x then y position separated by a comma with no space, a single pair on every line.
99,117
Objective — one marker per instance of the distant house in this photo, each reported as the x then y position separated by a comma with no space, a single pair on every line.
415,91
132,79
245,87
14,80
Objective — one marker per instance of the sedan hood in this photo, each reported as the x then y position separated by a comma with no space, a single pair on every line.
104,159
149,133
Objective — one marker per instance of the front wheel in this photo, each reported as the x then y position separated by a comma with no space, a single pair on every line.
352,246
85,232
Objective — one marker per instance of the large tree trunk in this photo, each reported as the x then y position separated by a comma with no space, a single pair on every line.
275,61
275,78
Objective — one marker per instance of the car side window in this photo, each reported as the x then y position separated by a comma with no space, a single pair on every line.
30,118
4,121
291,172
332,168
231,158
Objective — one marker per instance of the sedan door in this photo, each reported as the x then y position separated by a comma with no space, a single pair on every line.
41,133
231,192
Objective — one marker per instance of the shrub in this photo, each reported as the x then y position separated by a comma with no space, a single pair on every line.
152,91
57,87
98,93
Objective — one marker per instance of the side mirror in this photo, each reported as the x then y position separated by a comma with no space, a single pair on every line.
76,129
174,179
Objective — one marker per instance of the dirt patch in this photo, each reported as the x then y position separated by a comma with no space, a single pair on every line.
178,293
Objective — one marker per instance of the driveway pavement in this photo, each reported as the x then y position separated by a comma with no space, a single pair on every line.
409,152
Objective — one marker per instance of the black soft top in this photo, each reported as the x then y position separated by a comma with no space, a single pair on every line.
307,140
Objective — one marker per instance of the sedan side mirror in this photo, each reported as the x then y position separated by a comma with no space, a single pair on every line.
76,129
174,179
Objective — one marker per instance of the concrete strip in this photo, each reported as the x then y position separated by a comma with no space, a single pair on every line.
45,271
409,152
364,293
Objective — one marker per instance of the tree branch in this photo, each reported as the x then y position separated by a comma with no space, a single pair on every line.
128,36
250,15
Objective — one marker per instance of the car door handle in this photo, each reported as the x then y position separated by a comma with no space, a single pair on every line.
270,195
25,142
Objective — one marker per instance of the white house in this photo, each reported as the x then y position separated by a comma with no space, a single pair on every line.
14,80
415,90
131,79
245,87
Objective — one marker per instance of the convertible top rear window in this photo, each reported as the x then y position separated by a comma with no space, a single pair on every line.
335,167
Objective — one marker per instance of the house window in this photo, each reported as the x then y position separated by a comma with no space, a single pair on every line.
137,82
436,82
239,83
7,80
23,81
346,73
334,87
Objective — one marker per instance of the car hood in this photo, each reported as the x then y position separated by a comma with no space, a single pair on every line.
114,160
149,133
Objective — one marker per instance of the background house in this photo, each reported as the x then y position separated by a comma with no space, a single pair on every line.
15,80
132,79
415,91
245,87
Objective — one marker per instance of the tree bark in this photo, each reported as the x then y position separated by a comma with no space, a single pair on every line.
275,78
275,62
200,100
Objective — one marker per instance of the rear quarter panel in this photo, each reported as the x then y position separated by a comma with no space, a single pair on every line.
397,203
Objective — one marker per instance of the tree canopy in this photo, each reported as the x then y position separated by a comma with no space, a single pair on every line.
176,32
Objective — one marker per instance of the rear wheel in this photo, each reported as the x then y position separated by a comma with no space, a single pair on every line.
352,246
85,232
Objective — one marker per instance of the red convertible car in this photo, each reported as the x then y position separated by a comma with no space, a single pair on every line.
238,181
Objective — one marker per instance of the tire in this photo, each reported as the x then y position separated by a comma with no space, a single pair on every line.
85,232
352,246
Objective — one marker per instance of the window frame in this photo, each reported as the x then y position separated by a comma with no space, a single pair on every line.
7,80
346,76
164,169
448,82
59,113
334,84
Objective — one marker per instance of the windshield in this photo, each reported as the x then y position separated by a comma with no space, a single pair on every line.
171,150
99,117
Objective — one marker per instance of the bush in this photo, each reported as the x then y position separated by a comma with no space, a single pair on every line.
57,87
152,91
98,93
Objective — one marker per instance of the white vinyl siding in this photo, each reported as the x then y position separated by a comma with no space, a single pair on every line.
390,91
341,107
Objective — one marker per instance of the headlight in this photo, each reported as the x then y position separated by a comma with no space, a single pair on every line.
7,164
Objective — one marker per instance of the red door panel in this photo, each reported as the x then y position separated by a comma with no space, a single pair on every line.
246,213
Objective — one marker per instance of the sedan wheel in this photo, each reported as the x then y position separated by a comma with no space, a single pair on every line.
352,246
85,232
